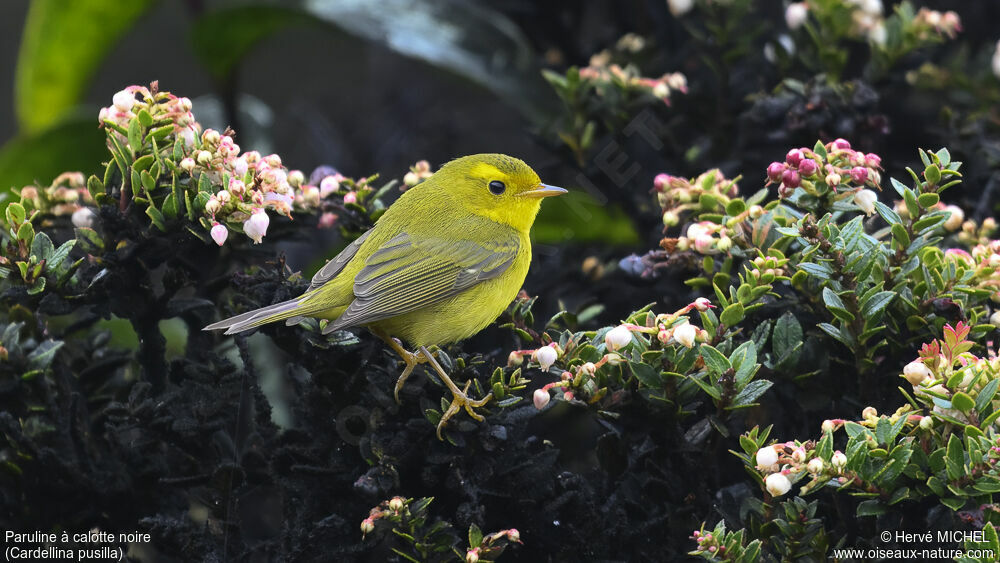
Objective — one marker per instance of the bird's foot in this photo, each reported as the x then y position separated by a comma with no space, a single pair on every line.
412,360
461,400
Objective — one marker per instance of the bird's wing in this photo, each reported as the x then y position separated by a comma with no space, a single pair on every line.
333,267
406,274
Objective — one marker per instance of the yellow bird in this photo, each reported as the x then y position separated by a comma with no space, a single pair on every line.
440,265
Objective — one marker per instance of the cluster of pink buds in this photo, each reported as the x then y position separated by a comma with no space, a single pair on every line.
387,508
418,173
66,195
602,71
973,233
708,542
930,21
677,195
984,261
492,545
843,171
244,185
164,107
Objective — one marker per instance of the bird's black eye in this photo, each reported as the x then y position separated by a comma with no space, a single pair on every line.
497,187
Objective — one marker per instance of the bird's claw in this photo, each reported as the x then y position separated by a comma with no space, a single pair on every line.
461,400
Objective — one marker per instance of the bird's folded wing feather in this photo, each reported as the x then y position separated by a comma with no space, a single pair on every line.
408,273
333,267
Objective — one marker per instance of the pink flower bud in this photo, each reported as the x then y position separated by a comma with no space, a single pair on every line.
211,137
327,220
794,157
545,357
219,234
859,174
775,170
841,144
703,304
350,197
808,167
237,187
873,160
240,167
777,484
766,457
661,182
618,338
790,179
704,244
188,164
396,504
685,335
865,199
328,185
256,226
833,180
541,398
367,526
213,206
123,100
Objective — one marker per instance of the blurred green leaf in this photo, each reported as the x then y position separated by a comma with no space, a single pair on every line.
577,217
75,144
467,38
64,41
223,38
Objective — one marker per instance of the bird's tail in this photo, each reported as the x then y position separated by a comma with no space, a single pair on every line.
279,311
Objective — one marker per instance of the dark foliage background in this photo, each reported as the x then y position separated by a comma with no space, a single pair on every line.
275,446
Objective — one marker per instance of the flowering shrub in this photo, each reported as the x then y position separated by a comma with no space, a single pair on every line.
799,356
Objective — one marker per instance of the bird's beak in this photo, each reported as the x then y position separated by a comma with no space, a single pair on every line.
543,190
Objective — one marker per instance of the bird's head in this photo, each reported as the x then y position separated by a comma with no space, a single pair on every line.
499,187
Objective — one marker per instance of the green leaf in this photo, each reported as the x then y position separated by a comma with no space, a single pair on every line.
821,271
41,357
955,458
42,247
89,240
928,200
953,503
872,508
876,303
986,394
647,374
735,207
932,174
15,214
750,393
963,402
475,536
60,254
744,361
715,360
732,314
134,136
899,233
886,213
63,43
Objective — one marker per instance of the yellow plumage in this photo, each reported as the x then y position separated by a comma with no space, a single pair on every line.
441,264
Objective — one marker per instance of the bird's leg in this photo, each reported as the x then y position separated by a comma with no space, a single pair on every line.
411,359
459,398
